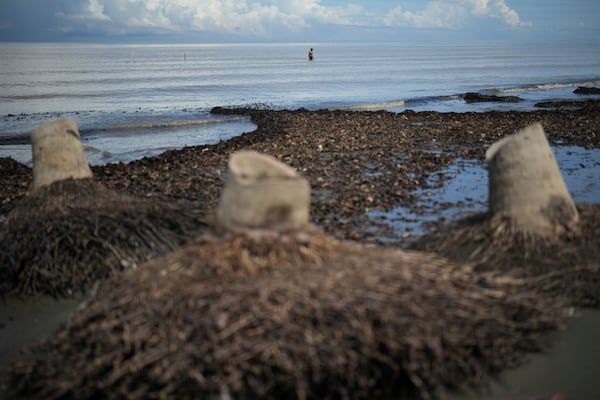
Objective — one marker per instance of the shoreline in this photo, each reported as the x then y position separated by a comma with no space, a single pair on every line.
356,161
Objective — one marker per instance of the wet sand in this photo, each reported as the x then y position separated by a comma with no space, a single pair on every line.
357,163
26,321
569,368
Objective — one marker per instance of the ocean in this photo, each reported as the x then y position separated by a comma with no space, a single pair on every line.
136,100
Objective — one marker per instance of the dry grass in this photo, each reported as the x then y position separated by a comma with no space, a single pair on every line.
567,266
297,315
63,237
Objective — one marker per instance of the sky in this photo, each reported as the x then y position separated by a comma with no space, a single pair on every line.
297,20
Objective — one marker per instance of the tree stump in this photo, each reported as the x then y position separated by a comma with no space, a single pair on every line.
262,192
57,153
526,185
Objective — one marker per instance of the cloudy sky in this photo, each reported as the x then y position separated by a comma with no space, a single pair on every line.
297,20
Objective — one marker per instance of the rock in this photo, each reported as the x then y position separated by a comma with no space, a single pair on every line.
587,90
567,104
472,97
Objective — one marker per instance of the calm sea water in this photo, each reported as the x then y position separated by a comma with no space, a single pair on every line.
136,100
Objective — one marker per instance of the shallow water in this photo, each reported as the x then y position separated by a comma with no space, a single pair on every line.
570,367
124,145
23,322
465,190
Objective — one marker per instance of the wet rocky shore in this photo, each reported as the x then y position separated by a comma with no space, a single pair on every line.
356,162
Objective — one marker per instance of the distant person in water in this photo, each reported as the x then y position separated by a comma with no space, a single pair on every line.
310,54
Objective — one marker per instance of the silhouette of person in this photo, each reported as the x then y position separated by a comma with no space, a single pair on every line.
310,54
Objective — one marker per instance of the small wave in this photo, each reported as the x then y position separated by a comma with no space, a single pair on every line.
23,135
546,86
15,139
90,149
433,99
375,106
167,124
47,96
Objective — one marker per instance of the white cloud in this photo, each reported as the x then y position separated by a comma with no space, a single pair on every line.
453,14
496,9
92,11
267,17
435,15
96,11
240,16
90,16
254,17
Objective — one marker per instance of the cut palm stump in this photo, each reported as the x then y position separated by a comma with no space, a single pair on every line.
283,314
70,231
526,185
57,153
532,228
262,192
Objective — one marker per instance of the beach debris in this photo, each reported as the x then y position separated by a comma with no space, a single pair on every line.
65,234
15,179
57,153
288,313
532,229
263,192
370,160
587,105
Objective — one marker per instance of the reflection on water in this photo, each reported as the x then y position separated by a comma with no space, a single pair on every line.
581,170
465,189
570,366
23,322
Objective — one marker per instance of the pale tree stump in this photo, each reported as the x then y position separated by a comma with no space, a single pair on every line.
526,185
262,192
57,153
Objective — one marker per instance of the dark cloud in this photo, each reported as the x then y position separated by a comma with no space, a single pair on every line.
32,20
